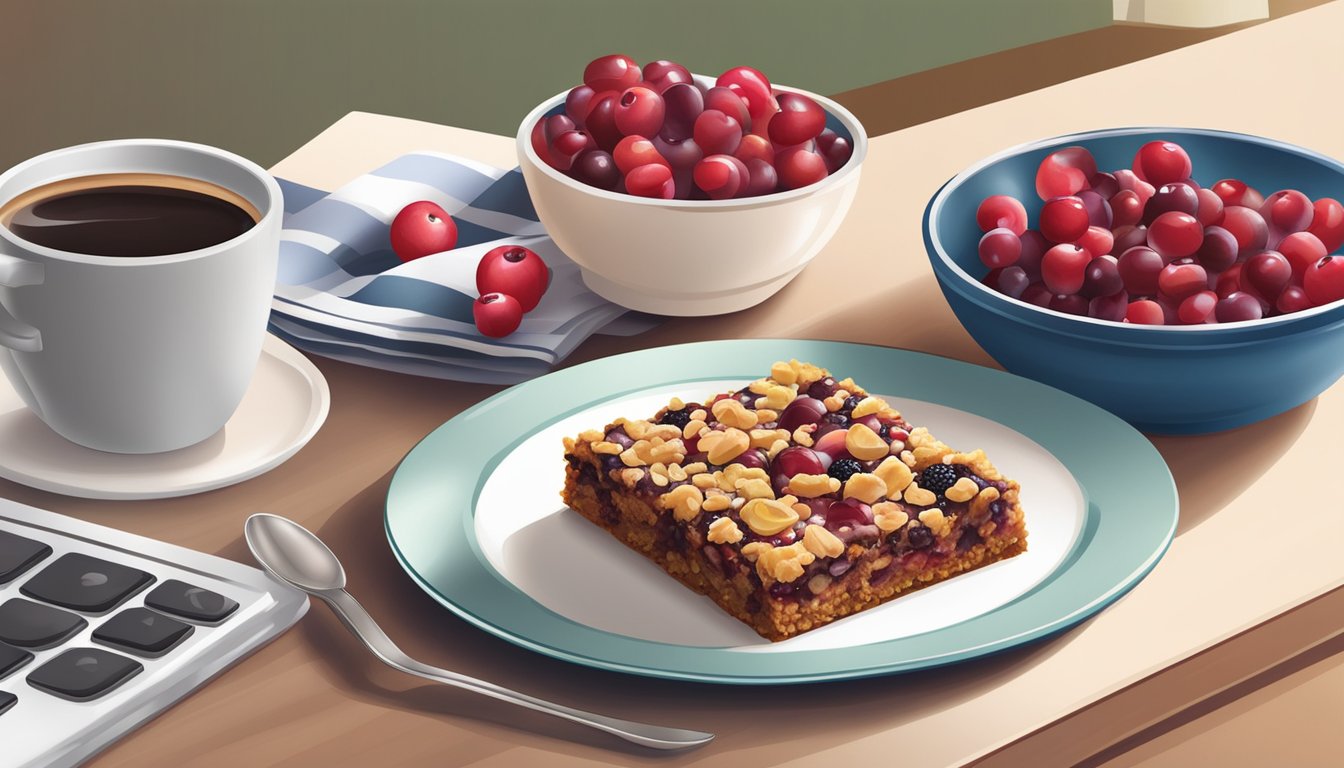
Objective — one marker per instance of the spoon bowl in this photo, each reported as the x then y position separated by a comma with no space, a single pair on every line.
292,554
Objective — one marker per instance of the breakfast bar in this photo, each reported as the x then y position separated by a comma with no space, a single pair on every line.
1240,592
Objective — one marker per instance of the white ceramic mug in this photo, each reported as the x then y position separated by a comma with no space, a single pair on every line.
145,354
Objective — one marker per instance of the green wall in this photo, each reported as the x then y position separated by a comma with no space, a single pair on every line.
262,76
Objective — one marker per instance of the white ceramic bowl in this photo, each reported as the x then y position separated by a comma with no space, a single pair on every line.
690,257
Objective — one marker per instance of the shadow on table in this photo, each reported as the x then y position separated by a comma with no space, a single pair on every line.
783,722
909,315
1213,470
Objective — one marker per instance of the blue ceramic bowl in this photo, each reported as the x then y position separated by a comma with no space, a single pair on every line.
1167,380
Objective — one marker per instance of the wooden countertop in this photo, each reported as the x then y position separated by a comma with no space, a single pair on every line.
1221,606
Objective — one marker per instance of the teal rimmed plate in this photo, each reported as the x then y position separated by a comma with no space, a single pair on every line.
473,515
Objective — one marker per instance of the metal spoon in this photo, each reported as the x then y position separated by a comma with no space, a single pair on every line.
294,555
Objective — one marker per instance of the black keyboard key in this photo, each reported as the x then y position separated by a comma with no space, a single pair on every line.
85,583
142,632
83,673
33,625
6,701
11,659
18,554
192,603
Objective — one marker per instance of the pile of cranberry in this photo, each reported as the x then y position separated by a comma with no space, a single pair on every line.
1149,245
657,133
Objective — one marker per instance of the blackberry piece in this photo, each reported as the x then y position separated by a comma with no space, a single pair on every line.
838,419
919,537
822,389
678,419
938,478
843,469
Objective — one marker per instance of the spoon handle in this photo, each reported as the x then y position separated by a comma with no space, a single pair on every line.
358,621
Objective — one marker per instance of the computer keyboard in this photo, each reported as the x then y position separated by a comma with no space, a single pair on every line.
101,630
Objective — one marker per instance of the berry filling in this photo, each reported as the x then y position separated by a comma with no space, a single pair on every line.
825,414
794,500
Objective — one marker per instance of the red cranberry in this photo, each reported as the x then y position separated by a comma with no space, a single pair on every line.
1162,162
729,103
798,460
1101,277
1218,251
1070,304
835,149
497,314
721,176
762,178
680,154
634,151
755,147
1293,299
752,459
1129,237
567,147
516,271
682,105
539,143
555,125
1104,184
661,74
799,119
754,87
831,443
1099,213
652,180
1235,192
578,103
799,167
1324,280
1063,219
717,133
1268,272
597,169
1302,249
1064,172
639,112
1327,223
803,410
601,121
611,73
422,228
850,512
1248,227
1171,197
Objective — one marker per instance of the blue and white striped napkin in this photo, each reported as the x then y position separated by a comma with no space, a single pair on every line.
342,293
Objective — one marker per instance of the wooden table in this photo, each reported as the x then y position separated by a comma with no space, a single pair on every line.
1241,589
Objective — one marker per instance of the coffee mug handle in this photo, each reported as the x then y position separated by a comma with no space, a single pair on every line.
17,335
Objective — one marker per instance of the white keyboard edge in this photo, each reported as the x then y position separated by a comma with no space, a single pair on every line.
41,730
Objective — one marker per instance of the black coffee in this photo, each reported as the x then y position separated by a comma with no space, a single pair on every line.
126,219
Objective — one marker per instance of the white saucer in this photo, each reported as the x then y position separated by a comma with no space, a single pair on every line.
282,410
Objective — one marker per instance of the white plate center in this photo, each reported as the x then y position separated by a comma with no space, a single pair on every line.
579,571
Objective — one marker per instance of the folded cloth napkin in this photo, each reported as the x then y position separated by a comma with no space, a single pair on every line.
341,292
